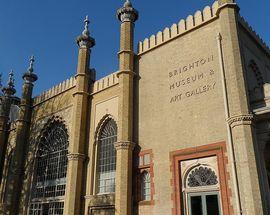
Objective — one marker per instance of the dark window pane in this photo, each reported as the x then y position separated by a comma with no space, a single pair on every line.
196,205
212,205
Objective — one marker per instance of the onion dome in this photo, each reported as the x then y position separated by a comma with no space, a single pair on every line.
127,13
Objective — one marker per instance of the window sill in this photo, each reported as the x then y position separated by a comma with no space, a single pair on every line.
146,202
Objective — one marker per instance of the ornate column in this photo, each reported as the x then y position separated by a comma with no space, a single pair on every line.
21,138
245,148
124,147
76,155
5,106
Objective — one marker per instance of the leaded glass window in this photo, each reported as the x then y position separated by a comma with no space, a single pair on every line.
106,159
51,169
145,186
202,176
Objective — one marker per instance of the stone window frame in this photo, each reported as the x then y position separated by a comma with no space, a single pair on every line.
142,168
215,149
187,190
99,129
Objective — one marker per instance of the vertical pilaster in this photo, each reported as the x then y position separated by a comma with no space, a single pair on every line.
240,119
124,147
5,106
76,155
21,139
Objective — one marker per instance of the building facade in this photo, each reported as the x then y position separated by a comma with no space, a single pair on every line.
183,127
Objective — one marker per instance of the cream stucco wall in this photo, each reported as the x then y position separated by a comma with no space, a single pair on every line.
167,123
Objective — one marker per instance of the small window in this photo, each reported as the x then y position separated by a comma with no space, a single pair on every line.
145,186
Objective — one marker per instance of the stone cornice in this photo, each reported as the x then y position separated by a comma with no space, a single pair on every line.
76,156
245,119
124,145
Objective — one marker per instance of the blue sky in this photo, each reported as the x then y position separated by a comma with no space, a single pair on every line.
48,29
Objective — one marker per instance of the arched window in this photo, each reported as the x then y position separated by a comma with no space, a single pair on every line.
145,186
51,168
202,191
106,157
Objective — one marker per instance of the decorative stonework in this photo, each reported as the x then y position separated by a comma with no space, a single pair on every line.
127,13
76,157
84,40
124,145
240,120
202,176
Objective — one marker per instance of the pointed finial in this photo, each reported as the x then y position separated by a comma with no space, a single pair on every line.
29,75
127,4
86,26
11,79
10,88
31,64
84,40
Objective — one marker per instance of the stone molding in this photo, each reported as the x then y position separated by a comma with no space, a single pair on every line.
246,119
76,156
129,72
124,145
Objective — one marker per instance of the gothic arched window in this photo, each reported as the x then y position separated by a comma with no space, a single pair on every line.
51,169
145,186
106,157
201,191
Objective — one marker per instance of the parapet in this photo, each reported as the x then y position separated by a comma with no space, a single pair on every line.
98,86
258,39
104,83
183,26
54,91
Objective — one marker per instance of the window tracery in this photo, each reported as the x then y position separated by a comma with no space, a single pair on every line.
51,169
106,157
201,176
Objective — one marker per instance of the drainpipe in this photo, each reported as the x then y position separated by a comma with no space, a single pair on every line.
228,127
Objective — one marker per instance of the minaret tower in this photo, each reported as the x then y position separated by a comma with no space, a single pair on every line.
245,178
124,145
22,137
5,106
79,124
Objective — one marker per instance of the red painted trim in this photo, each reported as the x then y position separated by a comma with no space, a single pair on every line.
140,170
216,149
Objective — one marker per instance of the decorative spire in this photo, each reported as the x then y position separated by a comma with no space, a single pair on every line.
84,40
86,26
127,13
29,76
31,64
10,88
11,79
127,4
